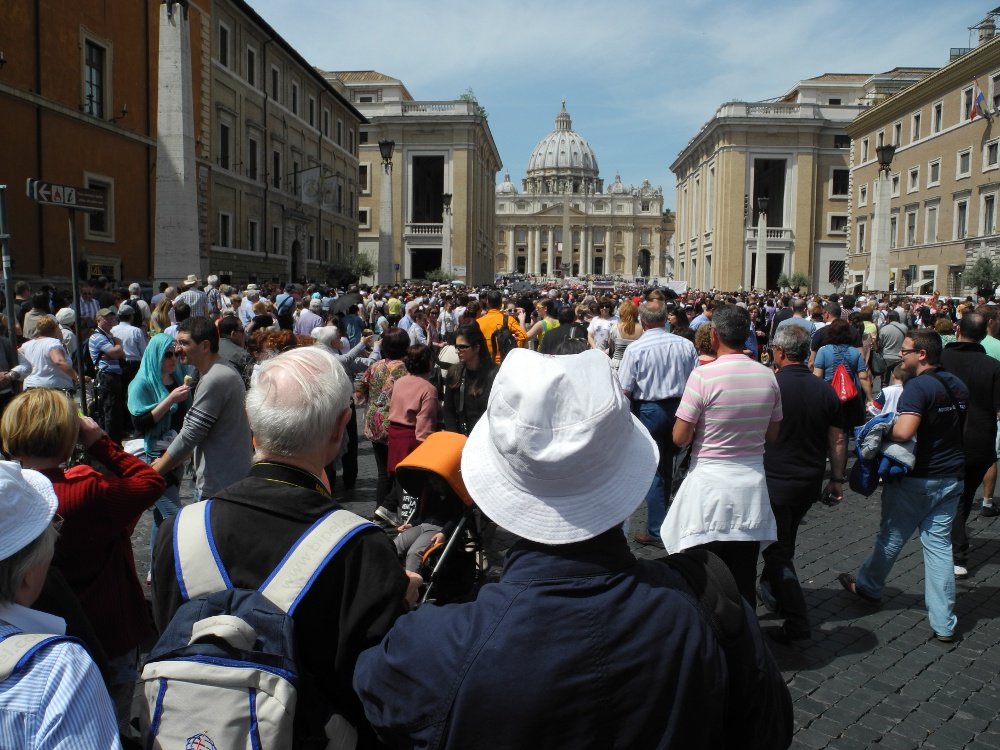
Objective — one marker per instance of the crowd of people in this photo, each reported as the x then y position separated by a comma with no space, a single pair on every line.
727,415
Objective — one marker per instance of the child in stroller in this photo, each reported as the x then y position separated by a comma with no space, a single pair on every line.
436,539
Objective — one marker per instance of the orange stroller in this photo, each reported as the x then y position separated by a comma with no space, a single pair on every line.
432,474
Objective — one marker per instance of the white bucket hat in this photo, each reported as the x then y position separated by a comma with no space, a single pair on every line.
27,504
558,456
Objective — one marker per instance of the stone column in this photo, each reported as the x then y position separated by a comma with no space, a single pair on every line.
511,250
551,268
176,235
537,257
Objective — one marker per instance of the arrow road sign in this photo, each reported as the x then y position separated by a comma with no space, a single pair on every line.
66,195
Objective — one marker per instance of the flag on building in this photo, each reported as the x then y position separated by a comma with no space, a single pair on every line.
979,107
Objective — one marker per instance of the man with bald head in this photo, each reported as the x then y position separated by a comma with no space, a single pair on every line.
968,361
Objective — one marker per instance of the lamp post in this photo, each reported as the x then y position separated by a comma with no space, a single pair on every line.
446,259
760,275
878,263
385,251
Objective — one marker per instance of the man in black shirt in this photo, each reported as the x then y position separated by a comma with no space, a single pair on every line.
794,466
969,362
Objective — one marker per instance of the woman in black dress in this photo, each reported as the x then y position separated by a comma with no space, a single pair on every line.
470,381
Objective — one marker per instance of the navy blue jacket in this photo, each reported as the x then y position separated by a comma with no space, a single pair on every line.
578,646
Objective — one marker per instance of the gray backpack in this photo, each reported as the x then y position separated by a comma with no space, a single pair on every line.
223,673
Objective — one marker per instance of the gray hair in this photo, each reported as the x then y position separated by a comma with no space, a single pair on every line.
134,288
296,400
732,324
794,342
653,314
14,568
327,335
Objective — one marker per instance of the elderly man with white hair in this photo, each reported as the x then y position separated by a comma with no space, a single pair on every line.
250,296
52,693
309,317
579,645
298,407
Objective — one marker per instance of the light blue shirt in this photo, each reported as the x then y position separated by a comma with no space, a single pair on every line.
656,366
800,322
56,700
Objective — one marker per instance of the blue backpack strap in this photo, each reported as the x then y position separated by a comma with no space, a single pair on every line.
197,564
16,650
290,581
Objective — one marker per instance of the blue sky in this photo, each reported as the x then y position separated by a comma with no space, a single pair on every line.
639,77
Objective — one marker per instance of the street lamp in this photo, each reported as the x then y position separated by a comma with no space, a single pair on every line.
878,264
760,275
446,259
385,148
385,250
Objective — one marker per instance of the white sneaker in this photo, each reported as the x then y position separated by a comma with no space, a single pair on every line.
961,571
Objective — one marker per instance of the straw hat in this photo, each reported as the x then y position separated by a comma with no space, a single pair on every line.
558,456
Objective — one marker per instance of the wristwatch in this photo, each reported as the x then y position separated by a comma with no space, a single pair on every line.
838,480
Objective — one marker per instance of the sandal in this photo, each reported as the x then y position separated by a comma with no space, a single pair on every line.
851,585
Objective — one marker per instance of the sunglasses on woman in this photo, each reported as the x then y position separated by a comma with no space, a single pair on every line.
170,354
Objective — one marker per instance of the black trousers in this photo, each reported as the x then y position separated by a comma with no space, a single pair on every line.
350,459
975,470
110,407
741,559
779,577
383,489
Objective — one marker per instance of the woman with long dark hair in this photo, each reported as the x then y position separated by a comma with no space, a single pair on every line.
470,381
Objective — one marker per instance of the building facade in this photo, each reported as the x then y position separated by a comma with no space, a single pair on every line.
944,178
283,155
793,152
78,108
441,148
563,222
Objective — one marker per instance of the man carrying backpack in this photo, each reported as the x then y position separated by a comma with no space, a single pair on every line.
501,331
298,409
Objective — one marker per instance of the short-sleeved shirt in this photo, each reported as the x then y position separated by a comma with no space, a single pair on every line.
100,343
940,447
800,322
731,401
600,329
832,355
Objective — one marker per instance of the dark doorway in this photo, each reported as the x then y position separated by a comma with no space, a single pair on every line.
775,267
426,202
769,182
424,259
644,262
296,250
522,263
545,269
598,266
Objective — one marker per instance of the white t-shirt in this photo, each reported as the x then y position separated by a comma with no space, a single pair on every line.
44,374
600,329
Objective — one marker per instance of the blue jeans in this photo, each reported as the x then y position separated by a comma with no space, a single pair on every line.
658,417
927,504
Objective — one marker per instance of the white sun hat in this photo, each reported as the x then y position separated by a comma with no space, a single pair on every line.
558,457
27,504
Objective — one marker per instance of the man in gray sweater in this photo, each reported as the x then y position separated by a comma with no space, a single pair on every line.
215,428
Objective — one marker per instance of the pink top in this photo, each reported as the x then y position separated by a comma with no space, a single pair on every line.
414,404
731,400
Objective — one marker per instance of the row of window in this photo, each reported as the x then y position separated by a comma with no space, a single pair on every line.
936,118
597,236
293,100
960,223
277,178
251,240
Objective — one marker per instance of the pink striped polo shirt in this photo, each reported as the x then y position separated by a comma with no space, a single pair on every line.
731,401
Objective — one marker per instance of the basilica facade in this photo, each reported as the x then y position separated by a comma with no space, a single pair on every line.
563,222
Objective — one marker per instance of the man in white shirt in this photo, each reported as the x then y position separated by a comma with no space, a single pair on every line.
134,343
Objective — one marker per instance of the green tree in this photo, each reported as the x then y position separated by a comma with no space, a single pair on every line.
798,282
984,274
438,276
470,96
784,281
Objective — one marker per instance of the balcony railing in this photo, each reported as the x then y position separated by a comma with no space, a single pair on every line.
773,233
424,229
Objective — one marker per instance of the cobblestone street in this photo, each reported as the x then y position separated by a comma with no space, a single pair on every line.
870,676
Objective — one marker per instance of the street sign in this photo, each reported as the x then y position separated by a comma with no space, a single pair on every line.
69,196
